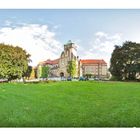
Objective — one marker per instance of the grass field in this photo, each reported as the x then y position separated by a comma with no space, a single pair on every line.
70,104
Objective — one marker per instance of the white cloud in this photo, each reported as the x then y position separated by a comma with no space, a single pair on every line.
57,26
42,44
101,34
8,22
36,39
102,46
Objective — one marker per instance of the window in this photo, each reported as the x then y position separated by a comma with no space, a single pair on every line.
89,69
62,62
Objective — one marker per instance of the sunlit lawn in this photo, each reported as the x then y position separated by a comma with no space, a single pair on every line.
70,104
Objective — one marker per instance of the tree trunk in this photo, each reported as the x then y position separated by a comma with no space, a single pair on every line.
24,81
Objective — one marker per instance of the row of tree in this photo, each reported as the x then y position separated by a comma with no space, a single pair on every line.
14,63
125,62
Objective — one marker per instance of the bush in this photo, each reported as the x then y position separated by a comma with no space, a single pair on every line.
48,81
114,78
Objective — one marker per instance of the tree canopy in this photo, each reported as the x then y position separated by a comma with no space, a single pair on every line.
45,72
29,72
125,61
13,62
72,68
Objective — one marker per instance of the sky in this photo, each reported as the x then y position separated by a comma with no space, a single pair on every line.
43,32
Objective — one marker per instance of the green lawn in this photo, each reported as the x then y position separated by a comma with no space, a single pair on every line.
70,104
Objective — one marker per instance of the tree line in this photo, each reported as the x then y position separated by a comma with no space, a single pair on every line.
124,62
14,64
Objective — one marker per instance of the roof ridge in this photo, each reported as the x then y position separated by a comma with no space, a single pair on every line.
93,61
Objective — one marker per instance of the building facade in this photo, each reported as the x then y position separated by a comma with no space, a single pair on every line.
97,68
58,67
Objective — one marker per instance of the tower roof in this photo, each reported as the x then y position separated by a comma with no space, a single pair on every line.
69,42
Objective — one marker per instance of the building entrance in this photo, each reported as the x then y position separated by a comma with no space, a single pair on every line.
62,74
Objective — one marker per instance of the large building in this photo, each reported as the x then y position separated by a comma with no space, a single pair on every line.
58,67
97,68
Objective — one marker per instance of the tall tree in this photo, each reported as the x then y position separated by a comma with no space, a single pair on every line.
72,68
28,72
45,72
125,61
33,75
116,63
13,62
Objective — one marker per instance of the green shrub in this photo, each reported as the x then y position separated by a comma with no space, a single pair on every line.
114,78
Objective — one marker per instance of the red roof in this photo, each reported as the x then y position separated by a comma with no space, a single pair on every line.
56,61
93,61
51,62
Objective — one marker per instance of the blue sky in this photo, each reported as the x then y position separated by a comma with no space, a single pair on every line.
43,32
